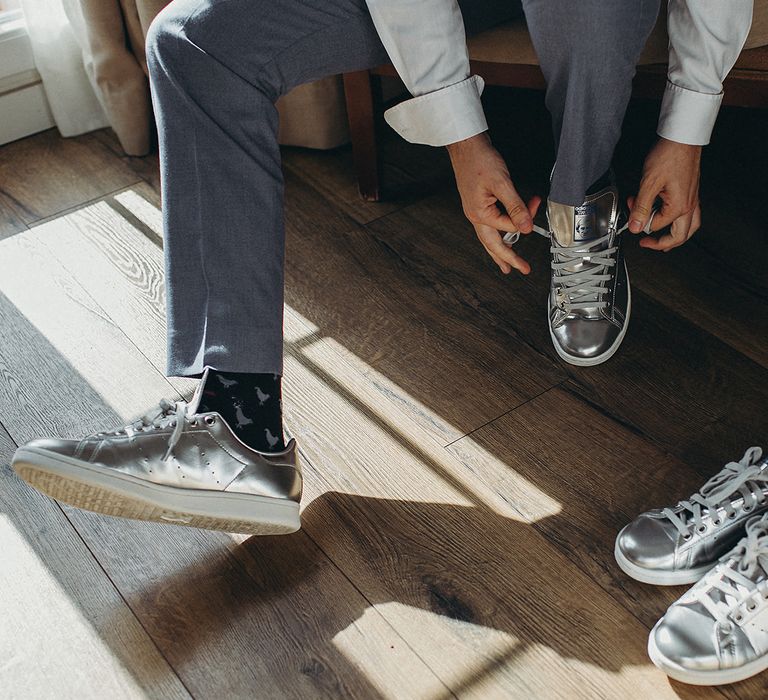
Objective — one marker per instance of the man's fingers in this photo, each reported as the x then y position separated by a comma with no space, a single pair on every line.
517,211
641,206
502,255
673,208
493,218
533,206
678,234
499,221
696,221
681,231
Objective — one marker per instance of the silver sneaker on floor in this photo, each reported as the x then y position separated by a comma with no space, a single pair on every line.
718,631
590,299
678,545
174,465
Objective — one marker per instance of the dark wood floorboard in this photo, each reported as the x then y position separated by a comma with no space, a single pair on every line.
602,475
480,569
44,174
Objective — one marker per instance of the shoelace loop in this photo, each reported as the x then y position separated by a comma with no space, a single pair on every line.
746,477
166,414
584,288
736,585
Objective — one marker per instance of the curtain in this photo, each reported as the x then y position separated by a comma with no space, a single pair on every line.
90,56
59,60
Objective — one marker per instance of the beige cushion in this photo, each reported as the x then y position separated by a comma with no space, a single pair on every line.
511,43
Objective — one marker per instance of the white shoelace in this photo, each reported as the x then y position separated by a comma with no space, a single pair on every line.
166,413
584,288
738,585
745,477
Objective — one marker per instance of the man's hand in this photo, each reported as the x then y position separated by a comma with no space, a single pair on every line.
484,184
671,172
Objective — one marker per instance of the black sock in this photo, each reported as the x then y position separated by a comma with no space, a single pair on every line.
250,403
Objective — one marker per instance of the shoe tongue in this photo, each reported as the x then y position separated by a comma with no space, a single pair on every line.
575,226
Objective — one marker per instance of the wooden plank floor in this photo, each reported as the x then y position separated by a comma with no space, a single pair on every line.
463,486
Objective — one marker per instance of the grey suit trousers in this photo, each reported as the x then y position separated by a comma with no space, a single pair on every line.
216,69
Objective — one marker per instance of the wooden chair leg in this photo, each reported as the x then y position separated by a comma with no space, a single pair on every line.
363,102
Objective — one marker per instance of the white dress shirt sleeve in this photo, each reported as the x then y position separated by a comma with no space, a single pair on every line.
705,39
426,43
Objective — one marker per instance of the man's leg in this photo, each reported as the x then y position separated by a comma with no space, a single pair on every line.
588,51
217,69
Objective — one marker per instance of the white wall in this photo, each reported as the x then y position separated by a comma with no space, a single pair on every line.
23,107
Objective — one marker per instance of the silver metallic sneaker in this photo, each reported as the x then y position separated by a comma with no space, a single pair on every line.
678,545
590,299
718,631
174,465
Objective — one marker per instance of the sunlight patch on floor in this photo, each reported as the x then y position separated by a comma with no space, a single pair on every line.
144,211
64,328
385,660
390,425
59,650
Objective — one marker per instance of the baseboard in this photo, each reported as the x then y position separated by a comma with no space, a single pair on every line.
25,111
24,108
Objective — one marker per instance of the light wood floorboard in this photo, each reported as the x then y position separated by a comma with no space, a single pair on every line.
66,631
463,486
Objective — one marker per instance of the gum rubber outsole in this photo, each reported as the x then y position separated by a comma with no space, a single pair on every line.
105,491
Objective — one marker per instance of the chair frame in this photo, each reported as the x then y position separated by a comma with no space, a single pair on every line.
744,87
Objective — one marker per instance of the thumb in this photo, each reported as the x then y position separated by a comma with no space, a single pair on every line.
641,207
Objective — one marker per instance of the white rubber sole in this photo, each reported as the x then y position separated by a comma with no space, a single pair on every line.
659,578
720,677
598,359
101,490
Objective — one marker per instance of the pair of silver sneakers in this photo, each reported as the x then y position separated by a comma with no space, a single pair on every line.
717,632
179,466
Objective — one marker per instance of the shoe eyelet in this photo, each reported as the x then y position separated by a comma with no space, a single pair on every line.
747,509
739,617
687,537
209,420
701,529
717,523
751,607
732,516
194,423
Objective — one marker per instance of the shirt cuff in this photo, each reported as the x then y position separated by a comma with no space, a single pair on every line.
447,115
688,116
